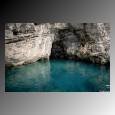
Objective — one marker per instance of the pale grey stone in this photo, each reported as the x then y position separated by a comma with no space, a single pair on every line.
27,42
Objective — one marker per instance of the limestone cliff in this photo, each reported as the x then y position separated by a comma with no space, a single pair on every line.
29,42
86,41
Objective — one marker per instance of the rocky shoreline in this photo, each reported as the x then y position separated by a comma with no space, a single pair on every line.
28,42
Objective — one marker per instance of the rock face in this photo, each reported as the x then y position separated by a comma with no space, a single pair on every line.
29,42
86,41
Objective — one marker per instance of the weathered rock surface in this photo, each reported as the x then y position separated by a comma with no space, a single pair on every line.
87,41
29,42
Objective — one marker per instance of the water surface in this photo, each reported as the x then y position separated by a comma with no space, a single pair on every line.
58,76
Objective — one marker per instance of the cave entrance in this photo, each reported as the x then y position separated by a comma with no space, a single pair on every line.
58,51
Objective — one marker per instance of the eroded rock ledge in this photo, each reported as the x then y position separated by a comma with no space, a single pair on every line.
29,42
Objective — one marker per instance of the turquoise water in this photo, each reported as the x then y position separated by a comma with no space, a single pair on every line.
58,76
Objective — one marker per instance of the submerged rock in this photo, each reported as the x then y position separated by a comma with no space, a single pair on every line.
29,42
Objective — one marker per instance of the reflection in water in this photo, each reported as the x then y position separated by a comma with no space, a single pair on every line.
58,75
28,78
